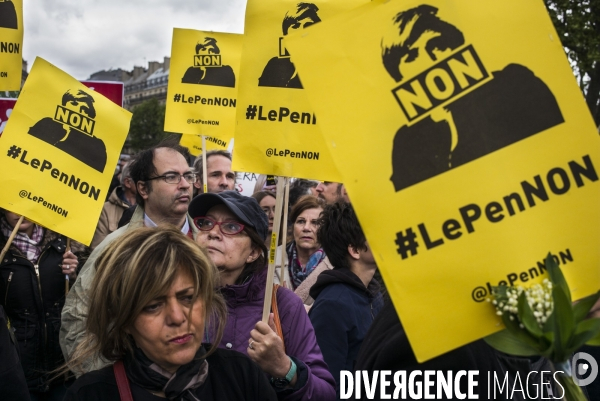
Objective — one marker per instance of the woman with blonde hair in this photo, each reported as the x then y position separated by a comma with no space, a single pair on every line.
152,297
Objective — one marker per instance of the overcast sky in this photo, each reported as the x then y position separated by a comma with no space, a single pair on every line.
85,36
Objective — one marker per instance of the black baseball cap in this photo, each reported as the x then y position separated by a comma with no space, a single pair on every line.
245,208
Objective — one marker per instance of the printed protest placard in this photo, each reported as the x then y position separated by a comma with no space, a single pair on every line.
277,130
59,150
11,44
203,77
194,143
481,157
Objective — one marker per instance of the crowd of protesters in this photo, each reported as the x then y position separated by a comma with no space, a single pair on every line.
167,301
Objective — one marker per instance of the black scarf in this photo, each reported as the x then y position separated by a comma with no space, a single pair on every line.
178,386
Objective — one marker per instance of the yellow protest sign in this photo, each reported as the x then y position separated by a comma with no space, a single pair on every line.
482,155
58,152
202,92
194,143
277,130
11,44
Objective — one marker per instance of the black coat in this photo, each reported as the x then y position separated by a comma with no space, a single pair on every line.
386,347
343,311
12,379
33,297
231,376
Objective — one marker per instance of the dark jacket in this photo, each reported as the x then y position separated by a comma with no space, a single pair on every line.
33,297
12,380
341,315
245,304
386,347
231,376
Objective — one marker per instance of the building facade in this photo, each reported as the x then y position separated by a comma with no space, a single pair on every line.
141,83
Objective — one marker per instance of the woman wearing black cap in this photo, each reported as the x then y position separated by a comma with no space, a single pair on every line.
233,229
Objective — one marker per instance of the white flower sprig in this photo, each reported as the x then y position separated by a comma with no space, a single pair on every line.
539,298
542,320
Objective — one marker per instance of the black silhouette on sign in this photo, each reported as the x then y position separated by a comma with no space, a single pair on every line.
8,15
71,130
280,72
207,73
513,105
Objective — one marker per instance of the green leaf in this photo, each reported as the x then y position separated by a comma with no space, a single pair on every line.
556,276
548,327
572,392
583,306
521,334
506,342
548,339
548,353
594,341
585,331
564,323
526,316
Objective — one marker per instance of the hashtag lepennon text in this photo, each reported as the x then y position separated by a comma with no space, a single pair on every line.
282,114
47,167
527,194
197,99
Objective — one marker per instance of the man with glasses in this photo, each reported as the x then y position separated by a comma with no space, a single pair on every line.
164,183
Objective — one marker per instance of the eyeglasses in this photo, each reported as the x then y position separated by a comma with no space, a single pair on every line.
227,227
175,178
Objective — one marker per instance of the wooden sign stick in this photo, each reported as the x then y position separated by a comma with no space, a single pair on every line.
12,236
204,172
274,241
66,275
286,202
68,248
